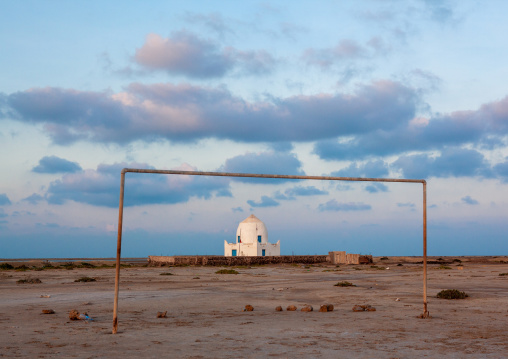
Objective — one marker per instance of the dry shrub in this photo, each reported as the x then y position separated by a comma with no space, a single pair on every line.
226,271
344,284
452,294
29,280
442,266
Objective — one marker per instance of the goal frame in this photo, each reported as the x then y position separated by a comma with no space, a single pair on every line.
425,313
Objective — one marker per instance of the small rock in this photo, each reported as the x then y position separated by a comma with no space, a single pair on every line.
397,299
48,311
363,308
45,296
323,308
291,308
307,308
74,315
162,314
248,308
278,308
358,308
329,307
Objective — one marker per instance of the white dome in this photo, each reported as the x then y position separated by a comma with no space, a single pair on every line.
250,230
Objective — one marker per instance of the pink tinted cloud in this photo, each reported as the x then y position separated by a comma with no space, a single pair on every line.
184,53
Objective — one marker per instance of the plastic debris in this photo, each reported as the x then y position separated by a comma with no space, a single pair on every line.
85,317
75,315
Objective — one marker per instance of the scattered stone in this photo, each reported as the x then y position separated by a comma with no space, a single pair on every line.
48,311
326,308
162,314
307,308
358,308
278,308
363,308
397,299
291,308
45,296
248,308
74,315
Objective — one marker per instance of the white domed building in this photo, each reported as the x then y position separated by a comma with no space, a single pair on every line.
251,240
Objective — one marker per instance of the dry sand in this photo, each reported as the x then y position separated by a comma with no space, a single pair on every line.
205,317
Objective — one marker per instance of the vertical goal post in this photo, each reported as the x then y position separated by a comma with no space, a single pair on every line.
425,313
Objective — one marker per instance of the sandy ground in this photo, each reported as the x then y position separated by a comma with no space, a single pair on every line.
205,316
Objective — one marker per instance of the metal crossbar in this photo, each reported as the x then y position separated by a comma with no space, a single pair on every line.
254,175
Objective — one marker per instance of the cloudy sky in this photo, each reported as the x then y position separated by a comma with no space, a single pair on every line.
391,89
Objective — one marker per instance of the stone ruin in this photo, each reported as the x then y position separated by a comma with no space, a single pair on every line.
341,257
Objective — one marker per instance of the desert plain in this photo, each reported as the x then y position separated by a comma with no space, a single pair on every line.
206,318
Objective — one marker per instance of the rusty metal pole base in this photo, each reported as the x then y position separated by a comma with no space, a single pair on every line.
425,315
115,326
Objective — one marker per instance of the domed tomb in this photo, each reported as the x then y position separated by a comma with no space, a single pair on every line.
251,230
251,240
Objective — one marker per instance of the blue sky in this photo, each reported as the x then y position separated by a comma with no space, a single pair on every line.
393,89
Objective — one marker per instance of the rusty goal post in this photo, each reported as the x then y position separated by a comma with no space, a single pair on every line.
425,313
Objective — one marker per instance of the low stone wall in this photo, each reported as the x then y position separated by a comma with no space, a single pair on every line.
158,261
